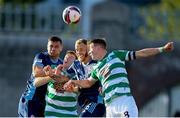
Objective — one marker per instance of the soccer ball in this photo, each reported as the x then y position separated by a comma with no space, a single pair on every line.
71,15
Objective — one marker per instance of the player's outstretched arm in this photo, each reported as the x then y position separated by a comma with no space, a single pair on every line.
38,71
148,52
81,83
50,74
39,81
57,76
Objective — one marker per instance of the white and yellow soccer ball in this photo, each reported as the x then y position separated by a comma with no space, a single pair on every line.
71,15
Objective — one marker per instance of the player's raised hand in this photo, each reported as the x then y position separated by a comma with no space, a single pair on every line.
48,70
69,86
168,47
59,69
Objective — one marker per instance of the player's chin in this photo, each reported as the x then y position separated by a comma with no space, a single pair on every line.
81,58
53,54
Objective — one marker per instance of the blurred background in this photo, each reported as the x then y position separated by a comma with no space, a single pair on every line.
25,26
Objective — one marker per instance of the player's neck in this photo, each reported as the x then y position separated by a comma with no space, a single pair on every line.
54,58
86,60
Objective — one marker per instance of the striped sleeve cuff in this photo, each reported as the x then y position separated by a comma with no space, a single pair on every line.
131,55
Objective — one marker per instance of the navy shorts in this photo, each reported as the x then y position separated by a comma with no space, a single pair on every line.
29,108
93,109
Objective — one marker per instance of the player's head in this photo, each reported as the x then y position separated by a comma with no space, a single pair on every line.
69,58
54,46
81,49
97,48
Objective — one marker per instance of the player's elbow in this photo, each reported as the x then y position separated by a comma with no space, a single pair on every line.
35,83
39,82
35,74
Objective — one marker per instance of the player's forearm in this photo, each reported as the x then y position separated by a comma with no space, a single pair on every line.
148,52
82,83
38,72
59,78
39,81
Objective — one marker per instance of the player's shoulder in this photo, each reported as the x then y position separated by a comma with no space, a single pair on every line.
76,62
118,51
41,55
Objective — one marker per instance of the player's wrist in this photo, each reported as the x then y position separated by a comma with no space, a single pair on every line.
76,89
52,76
161,49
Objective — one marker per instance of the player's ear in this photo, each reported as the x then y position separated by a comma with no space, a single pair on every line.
61,48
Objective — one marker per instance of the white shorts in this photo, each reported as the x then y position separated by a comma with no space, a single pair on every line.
123,106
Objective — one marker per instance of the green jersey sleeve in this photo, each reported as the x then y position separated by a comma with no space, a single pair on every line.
121,54
125,55
94,74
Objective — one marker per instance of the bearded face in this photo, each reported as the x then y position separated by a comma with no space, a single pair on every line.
81,51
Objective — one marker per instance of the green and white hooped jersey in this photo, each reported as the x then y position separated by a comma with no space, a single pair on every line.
112,74
60,104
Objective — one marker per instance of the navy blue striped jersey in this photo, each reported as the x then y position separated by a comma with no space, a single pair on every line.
83,71
38,94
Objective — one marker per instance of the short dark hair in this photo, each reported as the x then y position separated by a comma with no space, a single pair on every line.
71,52
99,41
55,39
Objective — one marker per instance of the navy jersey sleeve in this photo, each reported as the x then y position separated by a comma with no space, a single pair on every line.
38,60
